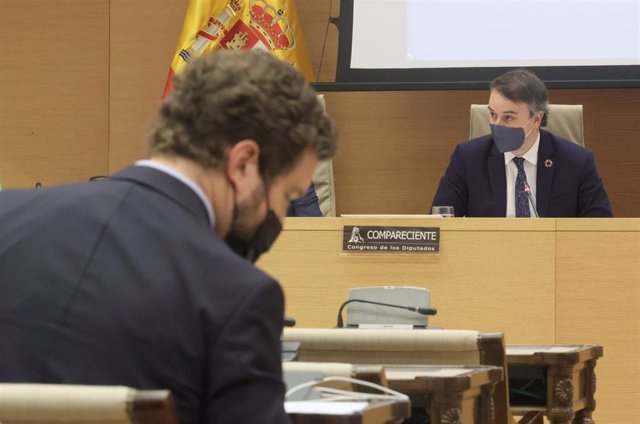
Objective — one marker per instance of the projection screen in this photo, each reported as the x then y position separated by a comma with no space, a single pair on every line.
467,43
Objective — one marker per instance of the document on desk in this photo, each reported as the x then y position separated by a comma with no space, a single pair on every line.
530,350
403,373
325,408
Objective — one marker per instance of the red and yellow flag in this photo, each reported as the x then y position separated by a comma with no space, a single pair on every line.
241,24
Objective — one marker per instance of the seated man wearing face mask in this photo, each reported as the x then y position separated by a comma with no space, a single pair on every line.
145,278
521,170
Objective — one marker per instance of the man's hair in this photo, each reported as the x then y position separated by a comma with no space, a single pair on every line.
223,98
522,86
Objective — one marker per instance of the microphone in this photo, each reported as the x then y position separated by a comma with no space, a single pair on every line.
532,198
421,311
289,322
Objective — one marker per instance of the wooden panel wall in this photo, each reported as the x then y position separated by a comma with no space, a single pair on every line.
470,285
54,91
598,300
394,146
144,34
78,97
616,146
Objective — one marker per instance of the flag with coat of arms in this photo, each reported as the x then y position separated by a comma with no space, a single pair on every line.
241,24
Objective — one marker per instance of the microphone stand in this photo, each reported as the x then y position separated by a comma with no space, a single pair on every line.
421,311
531,196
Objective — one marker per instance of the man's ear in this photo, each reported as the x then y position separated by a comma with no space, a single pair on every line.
538,118
242,161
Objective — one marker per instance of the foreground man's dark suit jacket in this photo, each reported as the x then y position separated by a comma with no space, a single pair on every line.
568,184
123,282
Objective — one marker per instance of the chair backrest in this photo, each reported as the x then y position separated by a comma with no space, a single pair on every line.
325,188
563,120
59,404
323,182
412,347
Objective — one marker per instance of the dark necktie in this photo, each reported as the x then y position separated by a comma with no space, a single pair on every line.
522,200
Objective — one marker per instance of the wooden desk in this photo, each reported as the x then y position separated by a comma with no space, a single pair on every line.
451,395
578,282
566,371
402,347
384,412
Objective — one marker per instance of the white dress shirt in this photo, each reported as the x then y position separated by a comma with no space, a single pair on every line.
530,169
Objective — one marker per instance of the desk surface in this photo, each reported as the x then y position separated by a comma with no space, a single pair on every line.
375,412
552,354
429,379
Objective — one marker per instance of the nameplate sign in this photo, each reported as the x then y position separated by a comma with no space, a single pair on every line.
366,239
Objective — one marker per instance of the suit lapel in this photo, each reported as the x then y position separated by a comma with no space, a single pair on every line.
498,181
545,171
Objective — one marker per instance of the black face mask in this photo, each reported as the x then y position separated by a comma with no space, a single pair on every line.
266,233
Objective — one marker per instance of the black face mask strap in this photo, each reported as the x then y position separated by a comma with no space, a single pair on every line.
267,233
263,238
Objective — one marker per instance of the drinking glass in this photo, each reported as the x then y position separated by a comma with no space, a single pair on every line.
443,211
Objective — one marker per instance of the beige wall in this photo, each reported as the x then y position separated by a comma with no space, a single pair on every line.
143,38
54,90
79,90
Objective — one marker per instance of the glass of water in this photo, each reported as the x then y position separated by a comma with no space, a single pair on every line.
443,211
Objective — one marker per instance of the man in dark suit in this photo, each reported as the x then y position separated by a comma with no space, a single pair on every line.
521,170
306,206
146,278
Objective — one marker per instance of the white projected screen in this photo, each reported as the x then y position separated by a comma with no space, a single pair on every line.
405,34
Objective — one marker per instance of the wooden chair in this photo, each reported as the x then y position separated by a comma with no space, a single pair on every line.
413,347
60,404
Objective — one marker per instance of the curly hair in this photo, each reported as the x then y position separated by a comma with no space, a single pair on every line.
223,98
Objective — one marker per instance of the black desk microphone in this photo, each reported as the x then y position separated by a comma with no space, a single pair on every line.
421,311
